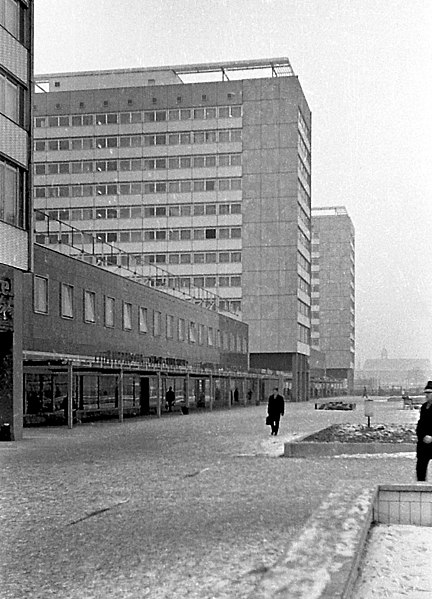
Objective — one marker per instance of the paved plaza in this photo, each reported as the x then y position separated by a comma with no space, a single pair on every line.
198,506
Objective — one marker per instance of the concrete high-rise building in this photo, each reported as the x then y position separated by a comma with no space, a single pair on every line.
198,184
333,291
16,210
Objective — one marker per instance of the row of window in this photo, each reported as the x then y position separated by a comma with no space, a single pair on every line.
127,141
12,99
147,116
304,197
138,188
13,19
303,240
303,262
139,235
138,164
138,318
131,260
305,219
304,152
304,173
128,212
12,194
303,129
303,308
303,285
303,334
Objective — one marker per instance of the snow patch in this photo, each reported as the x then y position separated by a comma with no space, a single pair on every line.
397,564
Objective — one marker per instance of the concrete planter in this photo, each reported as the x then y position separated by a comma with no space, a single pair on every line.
307,449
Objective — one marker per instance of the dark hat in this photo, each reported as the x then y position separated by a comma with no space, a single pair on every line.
428,388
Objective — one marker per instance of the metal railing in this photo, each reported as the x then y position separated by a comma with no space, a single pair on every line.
86,246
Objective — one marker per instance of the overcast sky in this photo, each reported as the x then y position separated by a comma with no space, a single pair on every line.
366,70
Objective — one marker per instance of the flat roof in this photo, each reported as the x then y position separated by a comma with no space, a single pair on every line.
278,67
329,211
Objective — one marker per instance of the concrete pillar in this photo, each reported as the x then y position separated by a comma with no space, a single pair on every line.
159,391
120,395
70,395
211,382
295,388
187,384
229,392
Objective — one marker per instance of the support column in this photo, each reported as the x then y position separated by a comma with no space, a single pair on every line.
229,393
295,378
120,395
159,390
211,392
70,391
187,383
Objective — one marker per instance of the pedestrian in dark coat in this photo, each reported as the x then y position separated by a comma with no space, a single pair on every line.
170,398
275,409
424,435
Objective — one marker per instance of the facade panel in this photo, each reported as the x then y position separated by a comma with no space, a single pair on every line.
13,141
13,56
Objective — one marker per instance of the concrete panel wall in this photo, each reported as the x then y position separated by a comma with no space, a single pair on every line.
13,246
270,216
13,56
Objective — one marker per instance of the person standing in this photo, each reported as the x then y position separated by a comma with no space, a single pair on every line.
170,398
275,409
424,435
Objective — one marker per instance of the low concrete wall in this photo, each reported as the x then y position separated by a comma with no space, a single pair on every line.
307,449
404,504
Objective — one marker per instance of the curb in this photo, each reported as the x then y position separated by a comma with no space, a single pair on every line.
323,562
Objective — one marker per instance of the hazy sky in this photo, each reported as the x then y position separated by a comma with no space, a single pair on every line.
366,70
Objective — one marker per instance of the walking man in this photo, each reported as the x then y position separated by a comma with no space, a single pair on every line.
424,435
275,409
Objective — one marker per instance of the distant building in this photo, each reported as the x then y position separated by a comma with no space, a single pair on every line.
333,292
208,181
397,372
16,209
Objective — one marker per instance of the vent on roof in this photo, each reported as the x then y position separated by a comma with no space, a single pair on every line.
105,103
179,99
56,83
81,105
130,101
58,105
154,100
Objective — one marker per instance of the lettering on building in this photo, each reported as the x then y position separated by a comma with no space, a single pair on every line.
6,300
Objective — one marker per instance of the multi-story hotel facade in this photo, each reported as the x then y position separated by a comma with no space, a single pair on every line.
333,291
193,185
15,200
